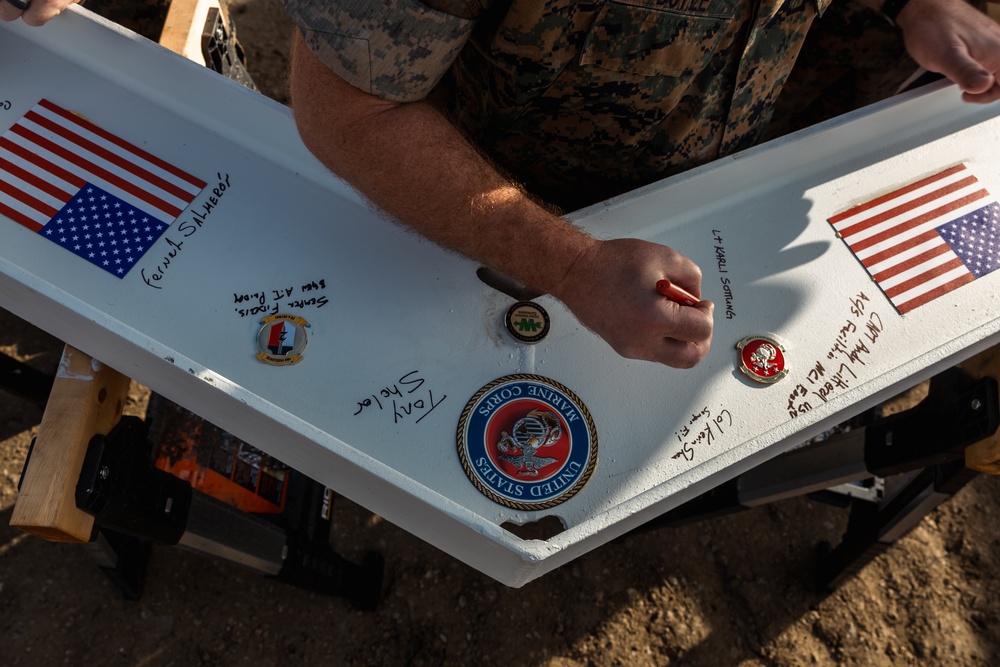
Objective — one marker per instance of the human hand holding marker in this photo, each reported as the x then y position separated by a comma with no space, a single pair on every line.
610,290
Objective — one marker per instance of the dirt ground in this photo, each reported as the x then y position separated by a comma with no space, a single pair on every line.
729,591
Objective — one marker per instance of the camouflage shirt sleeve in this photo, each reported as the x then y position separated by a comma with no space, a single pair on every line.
395,49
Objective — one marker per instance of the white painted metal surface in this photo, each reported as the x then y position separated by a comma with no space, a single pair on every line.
396,309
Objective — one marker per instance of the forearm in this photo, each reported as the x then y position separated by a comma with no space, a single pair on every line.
412,163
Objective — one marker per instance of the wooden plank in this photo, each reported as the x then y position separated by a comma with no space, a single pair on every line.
86,399
183,27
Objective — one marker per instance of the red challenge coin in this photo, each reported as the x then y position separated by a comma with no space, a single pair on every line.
762,359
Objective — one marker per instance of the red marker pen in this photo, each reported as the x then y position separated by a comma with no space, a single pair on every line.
675,293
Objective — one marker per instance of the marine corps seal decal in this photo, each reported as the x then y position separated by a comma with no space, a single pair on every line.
527,442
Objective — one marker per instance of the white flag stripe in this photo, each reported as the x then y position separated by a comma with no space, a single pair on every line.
113,148
16,203
54,180
919,229
22,208
902,199
28,189
934,283
99,161
915,271
99,182
912,214
890,262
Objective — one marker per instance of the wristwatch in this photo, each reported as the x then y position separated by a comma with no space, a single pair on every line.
892,8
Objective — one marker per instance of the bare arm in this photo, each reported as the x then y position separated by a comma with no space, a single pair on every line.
410,161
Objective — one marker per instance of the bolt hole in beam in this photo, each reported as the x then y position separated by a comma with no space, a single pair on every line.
543,529
506,284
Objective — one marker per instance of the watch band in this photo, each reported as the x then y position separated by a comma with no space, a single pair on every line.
892,8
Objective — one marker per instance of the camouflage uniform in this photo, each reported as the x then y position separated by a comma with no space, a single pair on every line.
580,100
851,58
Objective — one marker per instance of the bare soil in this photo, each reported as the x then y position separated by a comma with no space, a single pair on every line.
736,590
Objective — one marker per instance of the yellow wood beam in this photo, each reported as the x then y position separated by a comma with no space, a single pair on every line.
86,400
184,25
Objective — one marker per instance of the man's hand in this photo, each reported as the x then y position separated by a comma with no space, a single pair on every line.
38,12
953,38
612,290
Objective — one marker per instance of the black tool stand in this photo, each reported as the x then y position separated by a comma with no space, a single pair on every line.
136,505
891,472
24,381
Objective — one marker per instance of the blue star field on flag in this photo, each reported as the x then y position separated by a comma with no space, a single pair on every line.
975,238
104,230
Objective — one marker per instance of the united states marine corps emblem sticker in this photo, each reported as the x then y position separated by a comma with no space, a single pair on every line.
527,442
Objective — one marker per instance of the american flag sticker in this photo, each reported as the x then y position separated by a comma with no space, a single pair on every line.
87,190
927,238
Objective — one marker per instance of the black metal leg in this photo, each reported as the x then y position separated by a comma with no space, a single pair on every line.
24,381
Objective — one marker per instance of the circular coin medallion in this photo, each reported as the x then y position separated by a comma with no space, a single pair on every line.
762,359
527,442
281,339
527,322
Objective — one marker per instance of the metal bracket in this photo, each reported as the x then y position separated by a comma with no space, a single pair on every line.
22,380
922,450
222,51
124,492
